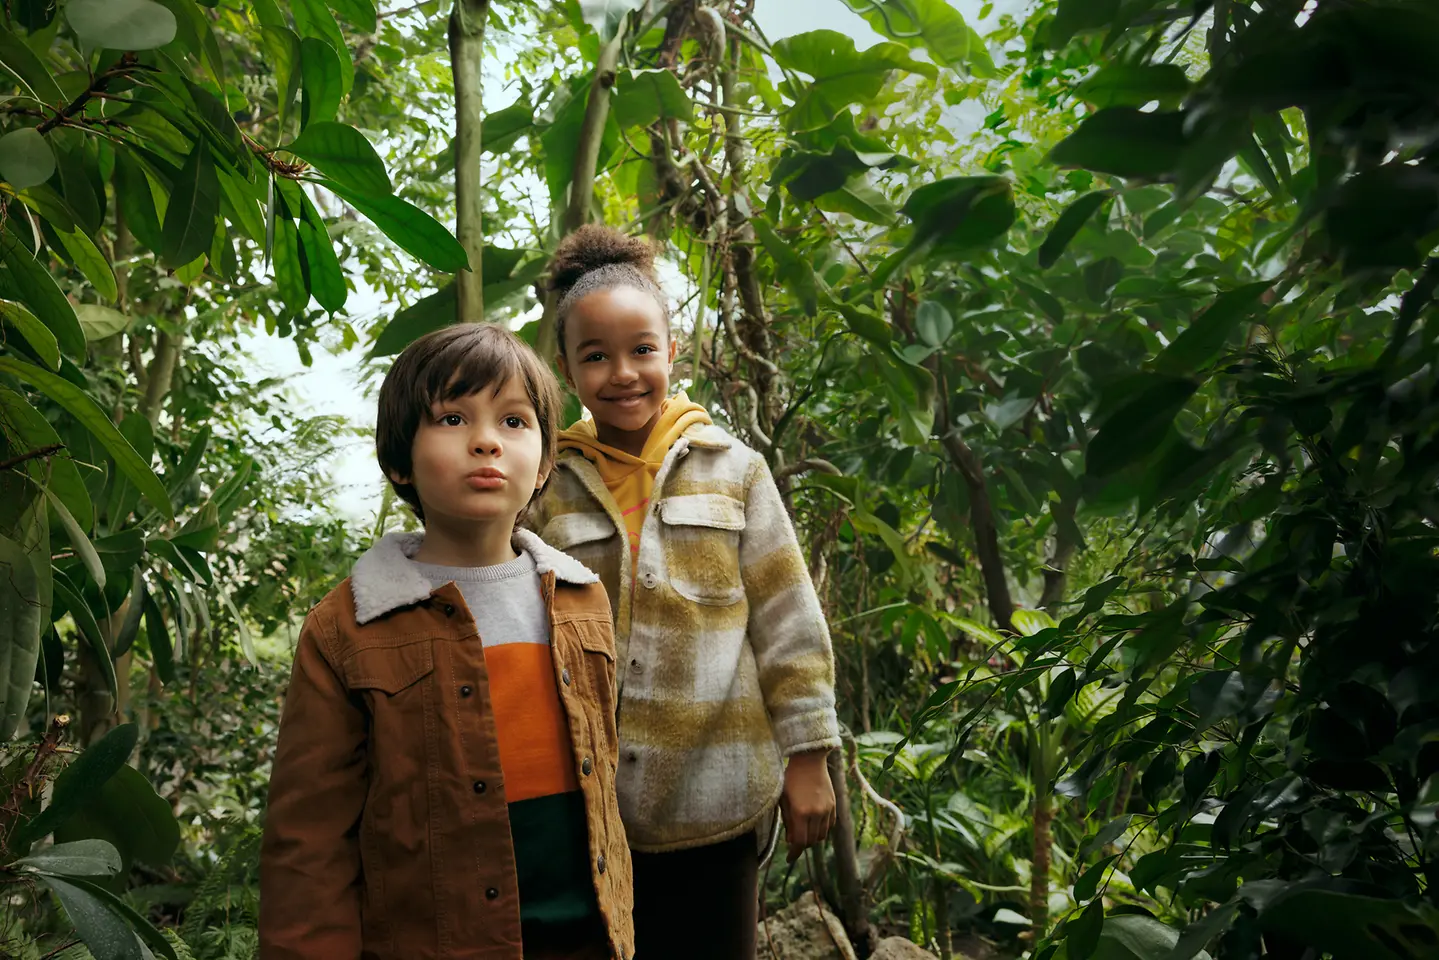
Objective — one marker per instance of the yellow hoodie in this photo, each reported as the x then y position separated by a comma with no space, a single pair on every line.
631,479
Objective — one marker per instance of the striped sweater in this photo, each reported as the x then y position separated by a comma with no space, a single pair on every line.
725,662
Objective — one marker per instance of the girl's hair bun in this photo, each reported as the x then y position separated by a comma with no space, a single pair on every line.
593,246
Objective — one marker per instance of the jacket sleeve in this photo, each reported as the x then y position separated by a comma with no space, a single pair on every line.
786,624
310,888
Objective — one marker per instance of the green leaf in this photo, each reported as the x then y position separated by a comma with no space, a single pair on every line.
562,137
500,130
605,16
29,427
1341,924
933,323
89,629
1088,884
931,24
41,340
842,74
137,202
865,323
860,199
79,542
793,269
194,207
101,322
953,217
1076,16
121,24
344,155
20,60
1042,299
127,813
102,929
431,312
81,781
83,195
1069,223
313,19
1204,339
241,207
247,643
82,408
38,292
159,635
83,858
92,263
26,159
1134,85
1061,688
289,267
1134,431
142,929
1125,142
360,13
644,96
21,624
415,231
1082,933
284,52
322,72
327,279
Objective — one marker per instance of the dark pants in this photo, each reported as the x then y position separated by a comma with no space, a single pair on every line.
699,904
586,940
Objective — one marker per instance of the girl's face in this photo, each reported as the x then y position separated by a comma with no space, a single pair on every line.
617,356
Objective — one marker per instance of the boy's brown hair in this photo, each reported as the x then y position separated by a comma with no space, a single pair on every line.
456,362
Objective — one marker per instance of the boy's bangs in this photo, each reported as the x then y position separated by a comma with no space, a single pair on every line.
469,366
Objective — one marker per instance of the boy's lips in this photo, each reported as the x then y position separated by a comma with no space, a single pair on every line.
485,478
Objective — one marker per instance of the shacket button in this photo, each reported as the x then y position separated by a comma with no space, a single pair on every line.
649,580
565,676
492,893
586,766
600,864
635,666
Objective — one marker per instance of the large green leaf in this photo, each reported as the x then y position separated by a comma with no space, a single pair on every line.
83,858
322,72
79,540
84,409
327,279
290,267
953,217
20,60
415,231
36,334
104,930
1204,338
127,813
100,322
860,199
284,54
313,19
121,24
137,201
1134,85
29,427
842,74
1068,224
344,155
26,159
793,269
82,781
561,138
92,263
36,289
1126,142
1136,937
73,601
643,96
501,129
194,206
931,24
360,13
20,628
1134,430
605,16
159,636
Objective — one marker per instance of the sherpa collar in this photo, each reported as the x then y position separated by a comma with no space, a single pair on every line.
384,579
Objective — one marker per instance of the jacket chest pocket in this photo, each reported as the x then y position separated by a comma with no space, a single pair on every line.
701,538
393,682
588,537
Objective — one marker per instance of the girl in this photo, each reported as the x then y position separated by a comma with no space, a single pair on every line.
726,676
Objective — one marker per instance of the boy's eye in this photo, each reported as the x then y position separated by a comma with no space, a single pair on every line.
452,419
516,423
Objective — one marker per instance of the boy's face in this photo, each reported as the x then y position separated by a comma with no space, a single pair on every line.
478,458
618,355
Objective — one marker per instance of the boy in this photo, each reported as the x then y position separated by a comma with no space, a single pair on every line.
444,784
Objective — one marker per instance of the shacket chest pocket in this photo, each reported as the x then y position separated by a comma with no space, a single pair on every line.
588,537
701,538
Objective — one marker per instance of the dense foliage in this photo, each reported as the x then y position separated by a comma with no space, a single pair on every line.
1092,354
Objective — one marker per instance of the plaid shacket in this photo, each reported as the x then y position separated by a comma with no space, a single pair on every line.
725,666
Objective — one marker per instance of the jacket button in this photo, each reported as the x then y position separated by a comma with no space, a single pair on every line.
565,676
492,893
466,690
449,609
586,766
480,786
600,864
649,580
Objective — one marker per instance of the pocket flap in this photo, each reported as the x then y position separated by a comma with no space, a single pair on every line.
596,637
569,529
389,669
703,510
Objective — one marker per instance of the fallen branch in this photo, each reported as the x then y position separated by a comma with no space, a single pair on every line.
35,454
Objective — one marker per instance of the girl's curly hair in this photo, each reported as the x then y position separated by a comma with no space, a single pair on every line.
597,257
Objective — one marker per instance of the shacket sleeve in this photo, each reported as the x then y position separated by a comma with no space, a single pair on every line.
786,624
310,855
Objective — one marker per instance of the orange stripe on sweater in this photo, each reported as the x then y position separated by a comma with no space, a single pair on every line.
536,753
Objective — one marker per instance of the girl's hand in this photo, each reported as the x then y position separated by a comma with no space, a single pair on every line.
807,804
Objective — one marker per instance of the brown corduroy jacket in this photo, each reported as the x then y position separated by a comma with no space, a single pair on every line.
387,835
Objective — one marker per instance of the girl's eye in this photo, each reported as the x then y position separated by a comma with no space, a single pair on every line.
644,349
591,358
515,423
452,419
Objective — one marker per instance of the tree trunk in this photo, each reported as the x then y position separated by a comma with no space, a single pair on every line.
161,374
467,41
1039,861
1056,577
986,537
854,906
